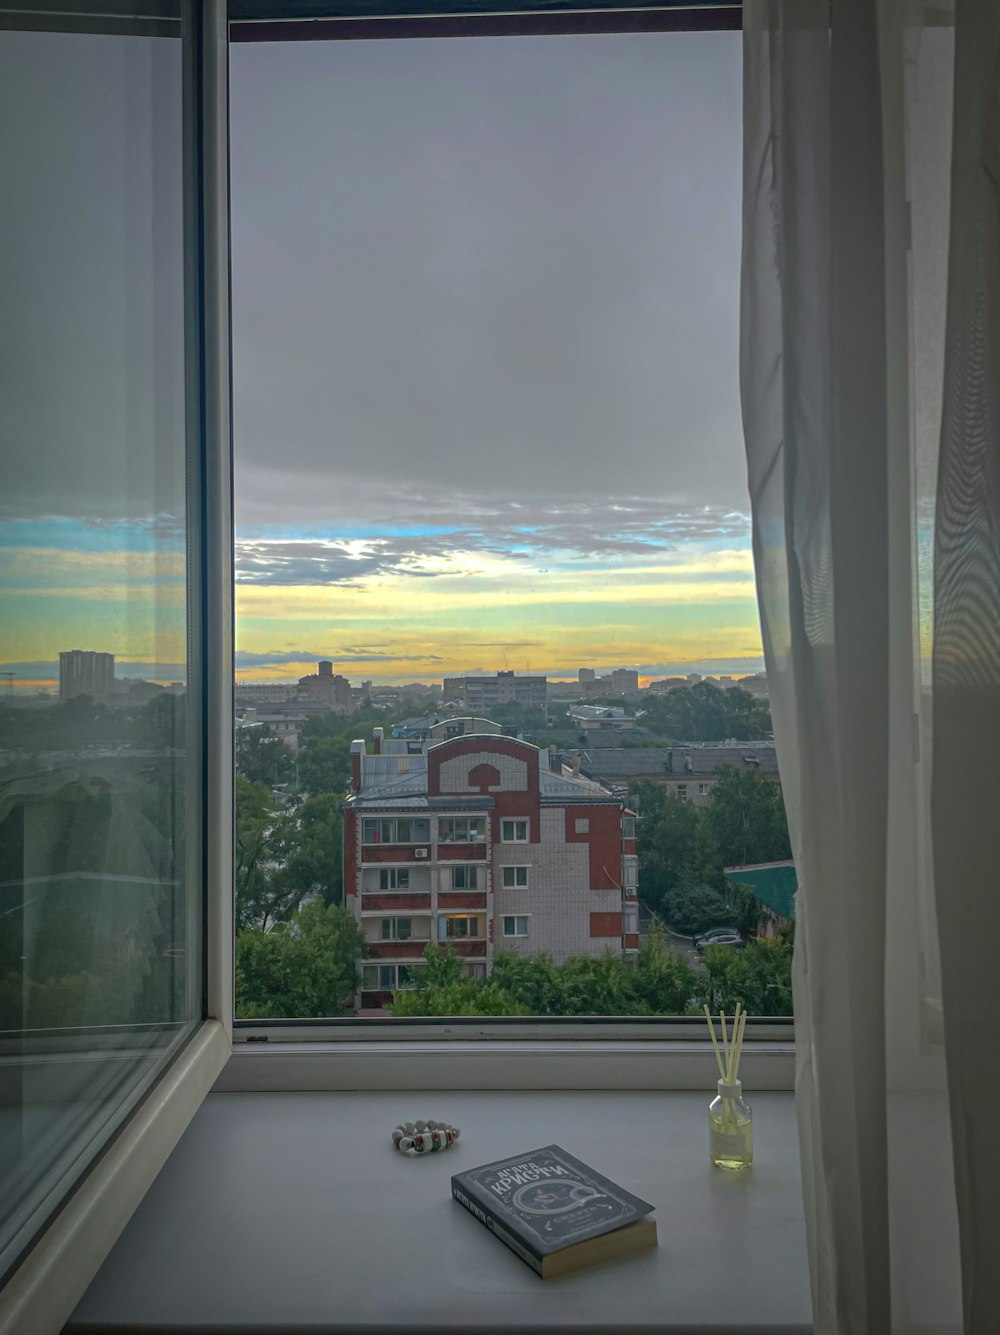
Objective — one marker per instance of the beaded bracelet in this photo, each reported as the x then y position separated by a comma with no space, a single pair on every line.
424,1136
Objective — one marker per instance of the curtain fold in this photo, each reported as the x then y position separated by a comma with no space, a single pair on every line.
844,349
965,824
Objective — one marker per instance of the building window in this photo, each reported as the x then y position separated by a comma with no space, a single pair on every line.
461,829
582,825
628,827
393,830
514,831
703,789
515,878
630,873
457,925
475,969
682,792
394,878
465,878
386,977
516,925
397,929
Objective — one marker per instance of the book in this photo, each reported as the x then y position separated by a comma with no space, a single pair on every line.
554,1212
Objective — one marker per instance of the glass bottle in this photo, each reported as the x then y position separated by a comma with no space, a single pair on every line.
730,1128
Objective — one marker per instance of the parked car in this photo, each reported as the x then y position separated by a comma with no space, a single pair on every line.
718,936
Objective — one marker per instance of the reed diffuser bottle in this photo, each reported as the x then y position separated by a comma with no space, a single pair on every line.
730,1121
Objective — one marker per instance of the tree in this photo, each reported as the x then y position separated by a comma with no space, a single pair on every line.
759,976
675,846
261,757
658,983
746,815
266,836
440,988
325,766
306,967
316,860
706,713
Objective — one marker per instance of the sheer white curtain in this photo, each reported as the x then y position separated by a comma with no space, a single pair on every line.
850,185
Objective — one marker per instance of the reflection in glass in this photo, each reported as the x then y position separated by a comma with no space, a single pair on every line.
99,937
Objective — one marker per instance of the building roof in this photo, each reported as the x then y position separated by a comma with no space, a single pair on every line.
620,762
773,883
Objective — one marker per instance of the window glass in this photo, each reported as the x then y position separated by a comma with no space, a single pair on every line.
464,878
100,896
461,829
490,486
514,831
515,926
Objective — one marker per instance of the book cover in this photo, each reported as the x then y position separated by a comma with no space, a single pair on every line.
546,1201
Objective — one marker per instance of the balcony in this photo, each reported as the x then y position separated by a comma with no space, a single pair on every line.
470,949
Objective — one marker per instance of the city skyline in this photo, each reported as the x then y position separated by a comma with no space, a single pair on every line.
485,315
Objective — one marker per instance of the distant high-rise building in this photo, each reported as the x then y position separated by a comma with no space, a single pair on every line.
85,672
586,674
480,694
327,688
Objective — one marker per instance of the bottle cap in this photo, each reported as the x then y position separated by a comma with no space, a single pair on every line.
733,1091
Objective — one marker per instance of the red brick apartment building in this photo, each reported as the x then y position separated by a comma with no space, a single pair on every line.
472,840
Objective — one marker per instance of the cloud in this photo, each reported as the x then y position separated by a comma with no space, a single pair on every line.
500,538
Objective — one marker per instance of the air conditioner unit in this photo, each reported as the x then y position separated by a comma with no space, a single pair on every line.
421,852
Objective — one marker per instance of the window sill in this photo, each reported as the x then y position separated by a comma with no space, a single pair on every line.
292,1211
497,1064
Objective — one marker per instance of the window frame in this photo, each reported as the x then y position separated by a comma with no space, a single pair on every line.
515,918
515,821
98,1194
515,867
272,1054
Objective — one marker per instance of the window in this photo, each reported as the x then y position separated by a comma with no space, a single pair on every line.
515,925
435,575
630,872
461,829
682,791
396,929
395,830
514,831
386,977
394,878
456,926
703,789
101,747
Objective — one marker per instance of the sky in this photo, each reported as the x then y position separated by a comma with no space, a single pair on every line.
485,337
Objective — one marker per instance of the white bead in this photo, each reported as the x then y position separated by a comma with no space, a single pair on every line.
421,1126
431,1124
405,1144
397,1135
409,1128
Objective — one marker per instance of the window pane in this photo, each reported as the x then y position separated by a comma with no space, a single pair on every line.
100,901
486,298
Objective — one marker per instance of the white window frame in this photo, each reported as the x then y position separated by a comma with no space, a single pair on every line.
515,918
469,872
392,874
392,923
470,838
704,789
628,827
514,868
515,821
97,1198
395,841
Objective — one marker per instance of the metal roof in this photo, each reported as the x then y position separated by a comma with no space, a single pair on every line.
619,762
773,883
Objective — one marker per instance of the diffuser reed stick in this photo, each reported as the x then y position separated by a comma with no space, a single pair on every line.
730,1134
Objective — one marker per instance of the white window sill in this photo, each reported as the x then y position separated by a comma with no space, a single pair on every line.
292,1211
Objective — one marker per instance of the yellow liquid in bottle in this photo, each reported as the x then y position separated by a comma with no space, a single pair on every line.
730,1135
